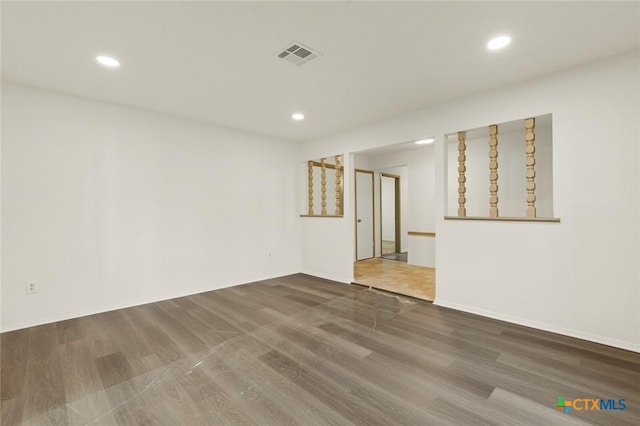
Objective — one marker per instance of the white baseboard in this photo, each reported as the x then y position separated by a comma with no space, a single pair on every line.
12,326
630,346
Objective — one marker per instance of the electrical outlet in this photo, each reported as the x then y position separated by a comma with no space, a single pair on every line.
31,287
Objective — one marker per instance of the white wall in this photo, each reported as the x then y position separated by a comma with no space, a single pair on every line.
388,209
0,227
422,206
579,277
361,161
320,234
105,207
418,206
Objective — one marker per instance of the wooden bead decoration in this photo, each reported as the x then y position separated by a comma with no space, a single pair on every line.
323,183
310,182
462,211
493,171
338,186
530,150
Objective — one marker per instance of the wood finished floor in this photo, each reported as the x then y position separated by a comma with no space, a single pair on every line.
398,277
305,351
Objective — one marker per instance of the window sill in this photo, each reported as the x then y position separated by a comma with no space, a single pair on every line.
506,219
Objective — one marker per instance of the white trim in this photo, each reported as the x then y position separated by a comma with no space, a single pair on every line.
630,346
80,314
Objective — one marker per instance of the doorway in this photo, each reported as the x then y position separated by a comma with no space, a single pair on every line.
404,175
390,218
365,228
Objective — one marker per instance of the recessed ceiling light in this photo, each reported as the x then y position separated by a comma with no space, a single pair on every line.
108,61
298,116
426,141
498,42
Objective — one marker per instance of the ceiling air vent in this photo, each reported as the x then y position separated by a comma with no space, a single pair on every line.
297,54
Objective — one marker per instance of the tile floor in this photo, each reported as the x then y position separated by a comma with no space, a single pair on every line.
398,277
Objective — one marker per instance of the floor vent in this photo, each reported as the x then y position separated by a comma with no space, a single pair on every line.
297,54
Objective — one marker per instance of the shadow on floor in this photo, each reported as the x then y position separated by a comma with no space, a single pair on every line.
402,257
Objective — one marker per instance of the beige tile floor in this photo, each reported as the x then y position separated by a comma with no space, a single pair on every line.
398,277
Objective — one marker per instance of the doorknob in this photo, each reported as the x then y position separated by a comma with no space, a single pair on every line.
359,220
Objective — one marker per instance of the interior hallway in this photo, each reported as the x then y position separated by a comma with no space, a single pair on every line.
398,277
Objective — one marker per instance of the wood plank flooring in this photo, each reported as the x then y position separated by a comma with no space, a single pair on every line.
398,277
300,350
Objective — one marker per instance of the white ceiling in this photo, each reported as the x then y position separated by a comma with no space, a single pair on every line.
213,61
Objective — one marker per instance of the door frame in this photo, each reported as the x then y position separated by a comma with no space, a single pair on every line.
373,209
397,205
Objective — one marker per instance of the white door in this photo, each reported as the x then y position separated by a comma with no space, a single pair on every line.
364,215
